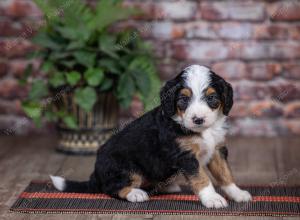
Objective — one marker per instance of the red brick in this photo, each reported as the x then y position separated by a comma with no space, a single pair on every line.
159,47
252,50
284,50
266,109
230,69
176,10
11,107
167,69
292,110
233,10
247,90
265,50
200,50
15,48
251,127
147,9
167,30
136,107
240,109
291,70
10,89
284,11
235,30
203,30
263,71
270,31
10,28
20,8
283,90
17,67
294,32
293,126
3,68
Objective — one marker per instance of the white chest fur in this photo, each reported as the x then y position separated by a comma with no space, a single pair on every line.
211,137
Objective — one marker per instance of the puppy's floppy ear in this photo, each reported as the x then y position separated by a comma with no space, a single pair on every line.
225,91
227,97
168,95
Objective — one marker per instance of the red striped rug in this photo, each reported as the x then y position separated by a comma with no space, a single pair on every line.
40,197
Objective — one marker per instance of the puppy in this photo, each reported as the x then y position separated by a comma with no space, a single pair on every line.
179,137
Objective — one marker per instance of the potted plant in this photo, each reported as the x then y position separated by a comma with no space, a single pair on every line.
88,71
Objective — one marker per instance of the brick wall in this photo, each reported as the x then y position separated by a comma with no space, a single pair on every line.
254,44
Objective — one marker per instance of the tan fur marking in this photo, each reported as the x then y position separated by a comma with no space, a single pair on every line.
220,170
199,181
180,112
136,182
209,91
124,192
189,144
187,92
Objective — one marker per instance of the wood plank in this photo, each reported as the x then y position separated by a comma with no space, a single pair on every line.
24,163
253,160
192,217
77,167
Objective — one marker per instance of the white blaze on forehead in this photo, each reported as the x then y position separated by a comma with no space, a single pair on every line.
197,78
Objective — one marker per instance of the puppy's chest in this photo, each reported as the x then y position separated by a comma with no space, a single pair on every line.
197,145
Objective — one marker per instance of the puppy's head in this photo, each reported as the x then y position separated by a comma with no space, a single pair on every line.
196,98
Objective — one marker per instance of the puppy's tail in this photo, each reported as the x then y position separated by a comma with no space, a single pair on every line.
64,185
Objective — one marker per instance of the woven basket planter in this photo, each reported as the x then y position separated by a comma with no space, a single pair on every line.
94,128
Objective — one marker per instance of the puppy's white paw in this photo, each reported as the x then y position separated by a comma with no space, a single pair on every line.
236,193
173,188
214,200
137,195
210,199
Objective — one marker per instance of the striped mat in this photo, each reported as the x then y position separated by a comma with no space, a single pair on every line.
41,197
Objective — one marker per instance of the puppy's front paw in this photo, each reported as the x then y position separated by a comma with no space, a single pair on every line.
236,193
137,195
210,199
214,200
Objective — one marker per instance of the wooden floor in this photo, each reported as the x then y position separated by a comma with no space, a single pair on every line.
253,160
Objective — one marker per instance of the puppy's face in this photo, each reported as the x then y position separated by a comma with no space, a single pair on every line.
197,98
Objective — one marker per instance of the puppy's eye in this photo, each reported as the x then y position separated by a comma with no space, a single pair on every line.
213,101
182,102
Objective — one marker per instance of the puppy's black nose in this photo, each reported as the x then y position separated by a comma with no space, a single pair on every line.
198,121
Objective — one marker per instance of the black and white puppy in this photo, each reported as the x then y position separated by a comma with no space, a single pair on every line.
181,136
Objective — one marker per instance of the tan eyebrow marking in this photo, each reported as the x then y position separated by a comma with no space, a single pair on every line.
209,91
187,92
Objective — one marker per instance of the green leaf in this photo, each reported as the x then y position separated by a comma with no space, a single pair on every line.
106,84
73,77
94,76
47,66
108,12
125,90
142,82
32,109
70,121
57,80
44,40
85,98
107,44
38,90
75,45
27,72
85,58
50,116
68,63
110,66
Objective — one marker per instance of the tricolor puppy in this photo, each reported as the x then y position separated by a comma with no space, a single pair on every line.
182,136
